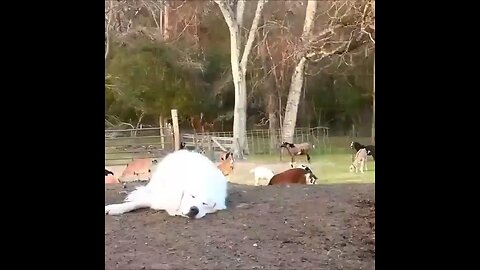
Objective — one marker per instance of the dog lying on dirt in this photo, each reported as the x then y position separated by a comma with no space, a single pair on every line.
185,183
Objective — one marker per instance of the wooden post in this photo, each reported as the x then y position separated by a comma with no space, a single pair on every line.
162,133
176,131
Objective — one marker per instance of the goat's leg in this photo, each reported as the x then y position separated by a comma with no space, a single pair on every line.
366,160
308,158
362,164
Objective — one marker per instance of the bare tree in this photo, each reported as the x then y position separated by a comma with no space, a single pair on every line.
296,84
346,26
239,60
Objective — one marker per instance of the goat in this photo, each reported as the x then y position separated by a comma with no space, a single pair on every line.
294,176
138,167
261,173
370,148
360,159
107,172
226,164
110,177
298,149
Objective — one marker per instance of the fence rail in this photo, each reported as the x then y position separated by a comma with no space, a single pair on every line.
124,145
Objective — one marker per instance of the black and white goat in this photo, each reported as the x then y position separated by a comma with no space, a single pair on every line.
370,148
298,149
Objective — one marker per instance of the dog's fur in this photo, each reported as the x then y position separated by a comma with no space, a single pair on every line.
299,149
185,183
360,160
294,176
370,148
262,173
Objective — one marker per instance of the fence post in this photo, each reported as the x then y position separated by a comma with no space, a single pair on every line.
176,131
162,133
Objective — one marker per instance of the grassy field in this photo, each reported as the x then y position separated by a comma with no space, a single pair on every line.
329,168
330,165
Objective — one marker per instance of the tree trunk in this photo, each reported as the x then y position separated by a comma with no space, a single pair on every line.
295,91
373,112
239,66
272,120
167,23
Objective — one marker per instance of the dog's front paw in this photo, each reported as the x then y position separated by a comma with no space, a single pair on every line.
113,209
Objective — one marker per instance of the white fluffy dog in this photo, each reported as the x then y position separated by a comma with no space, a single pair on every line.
184,184
262,173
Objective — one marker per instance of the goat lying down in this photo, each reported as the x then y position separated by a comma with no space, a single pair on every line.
261,173
294,176
360,160
299,149
370,148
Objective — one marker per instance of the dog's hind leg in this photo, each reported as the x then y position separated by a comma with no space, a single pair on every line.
120,208
308,158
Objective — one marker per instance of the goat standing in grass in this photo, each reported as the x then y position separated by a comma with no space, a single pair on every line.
299,149
370,148
261,173
360,160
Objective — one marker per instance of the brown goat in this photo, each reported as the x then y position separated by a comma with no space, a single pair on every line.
294,176
138,168
226,164
299,149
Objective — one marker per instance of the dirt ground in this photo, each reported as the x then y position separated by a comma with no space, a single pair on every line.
265,227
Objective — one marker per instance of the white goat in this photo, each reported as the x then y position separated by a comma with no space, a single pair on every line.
261,173
360,161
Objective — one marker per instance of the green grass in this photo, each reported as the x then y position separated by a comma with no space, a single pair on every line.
329,168
330,165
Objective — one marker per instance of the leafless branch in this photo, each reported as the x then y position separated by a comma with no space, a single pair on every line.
107,30
251,34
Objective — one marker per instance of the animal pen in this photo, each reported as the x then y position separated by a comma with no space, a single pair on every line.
124,145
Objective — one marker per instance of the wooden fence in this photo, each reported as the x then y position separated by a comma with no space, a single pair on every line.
123,145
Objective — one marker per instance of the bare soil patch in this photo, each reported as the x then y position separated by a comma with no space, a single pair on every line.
266,227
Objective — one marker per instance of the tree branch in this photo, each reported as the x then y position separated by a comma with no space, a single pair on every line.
240,12
227,14
251,34
107,30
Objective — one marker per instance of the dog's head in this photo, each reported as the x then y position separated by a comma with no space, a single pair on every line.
195,206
